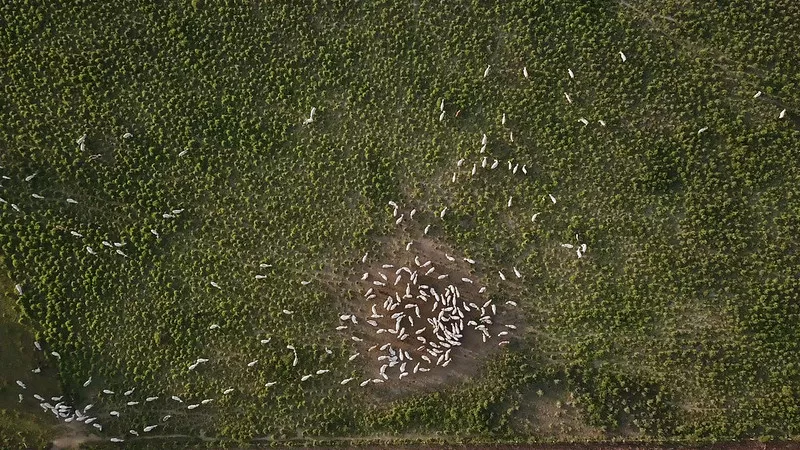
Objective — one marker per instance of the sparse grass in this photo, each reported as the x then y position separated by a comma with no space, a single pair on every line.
22,424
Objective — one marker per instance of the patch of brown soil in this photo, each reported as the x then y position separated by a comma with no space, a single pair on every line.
74,435
465,359
553,413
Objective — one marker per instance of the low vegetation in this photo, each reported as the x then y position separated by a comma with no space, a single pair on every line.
679,322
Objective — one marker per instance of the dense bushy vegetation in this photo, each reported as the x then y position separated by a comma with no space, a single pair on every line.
681,322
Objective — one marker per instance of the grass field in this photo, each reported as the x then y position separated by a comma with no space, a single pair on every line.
680,321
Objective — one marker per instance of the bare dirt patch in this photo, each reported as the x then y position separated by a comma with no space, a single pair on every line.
436,268
72,436
549,410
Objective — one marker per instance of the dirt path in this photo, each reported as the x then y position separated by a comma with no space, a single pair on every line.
748,445
370,443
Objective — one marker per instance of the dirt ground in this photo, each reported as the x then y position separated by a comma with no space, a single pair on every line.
467,358
748,445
